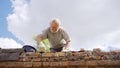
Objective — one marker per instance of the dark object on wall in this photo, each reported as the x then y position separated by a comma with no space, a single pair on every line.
28,48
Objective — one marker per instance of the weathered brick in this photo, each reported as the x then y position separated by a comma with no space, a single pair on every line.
2,64
10,64
60,54
74,53
101,62
91,63
83,67
112,66
72,58
27,64
37,64
57,59
49,54
90,66
97,57
117,62
46,64
112,62
63,59
55,64
82,54
82,62
19,64
64,63
74,63
25,59
102,53
36,59
96,50
81,59
45,59
51,59
73,67
82,50
87,58
34,54
100,67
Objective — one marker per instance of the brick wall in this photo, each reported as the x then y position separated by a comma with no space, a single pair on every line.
73,59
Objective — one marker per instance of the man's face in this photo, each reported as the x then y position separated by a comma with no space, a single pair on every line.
54,26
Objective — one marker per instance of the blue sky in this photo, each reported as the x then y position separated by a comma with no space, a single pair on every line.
89,23
5,9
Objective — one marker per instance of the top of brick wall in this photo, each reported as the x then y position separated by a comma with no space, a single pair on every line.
72,58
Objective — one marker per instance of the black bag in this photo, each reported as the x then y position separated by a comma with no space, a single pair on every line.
28,48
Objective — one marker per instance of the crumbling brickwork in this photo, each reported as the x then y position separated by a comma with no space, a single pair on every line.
72,59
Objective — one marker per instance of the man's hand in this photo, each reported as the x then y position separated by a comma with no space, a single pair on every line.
67,45
38,38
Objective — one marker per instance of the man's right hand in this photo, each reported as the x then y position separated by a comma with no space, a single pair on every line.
38,38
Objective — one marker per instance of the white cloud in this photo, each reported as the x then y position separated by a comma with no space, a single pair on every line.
9,43
90,23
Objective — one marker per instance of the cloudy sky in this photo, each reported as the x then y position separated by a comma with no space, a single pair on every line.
89,23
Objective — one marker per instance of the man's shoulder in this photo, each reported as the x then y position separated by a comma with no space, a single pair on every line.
62,29
46,29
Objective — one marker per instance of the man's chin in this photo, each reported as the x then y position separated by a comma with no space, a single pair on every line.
54,31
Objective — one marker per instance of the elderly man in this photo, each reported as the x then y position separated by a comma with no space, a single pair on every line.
57,37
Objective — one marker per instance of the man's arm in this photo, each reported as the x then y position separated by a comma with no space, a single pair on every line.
38,39
42,36
67,45
66,38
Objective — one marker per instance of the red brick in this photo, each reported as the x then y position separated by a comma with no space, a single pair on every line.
36,59
45,59
87,58
98,57
27,64
59,59
51,59
25,59
30,54
97,50
82,63
64,63
73,67
46,64
10,64
34,54
63,58
74,63
117,62
48,55
37,64
55,64
112,62
82,50
60,54
83,54
100,67
101,53
101,62
19,64
91,63
2,64
74,54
